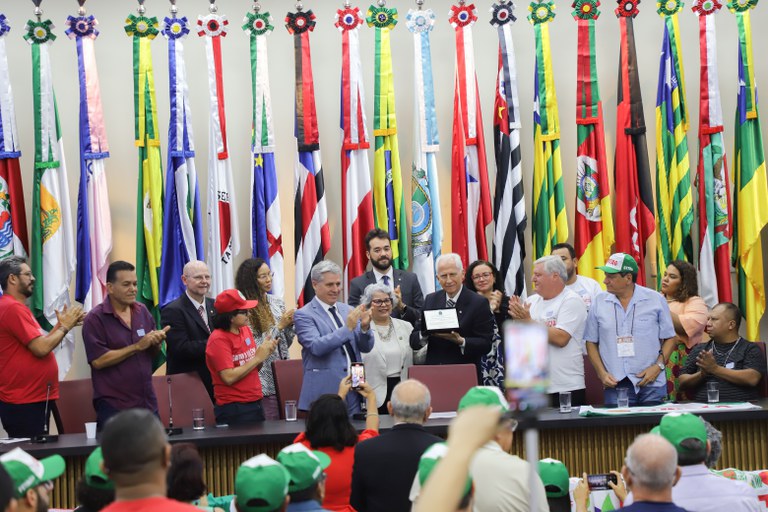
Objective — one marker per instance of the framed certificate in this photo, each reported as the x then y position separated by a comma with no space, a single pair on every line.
441,320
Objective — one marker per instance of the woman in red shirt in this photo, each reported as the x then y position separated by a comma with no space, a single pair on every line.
232,356
330,431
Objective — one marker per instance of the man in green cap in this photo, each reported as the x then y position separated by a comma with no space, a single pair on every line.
95,490
629,335
307,477
32,478
554,475
261,485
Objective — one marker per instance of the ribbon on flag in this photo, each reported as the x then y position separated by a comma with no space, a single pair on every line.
13,216
632,174
426,222
223,238
713,181
674,196
311,233
266,232
750,214
357,217
470,195
53,244
509,215
94,222
594,219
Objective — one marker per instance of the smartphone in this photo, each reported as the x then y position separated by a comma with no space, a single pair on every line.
357,371
526,350
600,482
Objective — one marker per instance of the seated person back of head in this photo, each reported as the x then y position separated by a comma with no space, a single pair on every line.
261,484
307,477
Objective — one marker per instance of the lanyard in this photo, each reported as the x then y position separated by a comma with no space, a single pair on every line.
728,355
616,319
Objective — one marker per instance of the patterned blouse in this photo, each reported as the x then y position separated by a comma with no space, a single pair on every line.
284,341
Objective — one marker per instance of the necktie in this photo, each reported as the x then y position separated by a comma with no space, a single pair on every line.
450,303
201,311
347,345
385,279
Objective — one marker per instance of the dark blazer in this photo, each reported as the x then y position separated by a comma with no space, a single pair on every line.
475,326
409,287
385,466
188,337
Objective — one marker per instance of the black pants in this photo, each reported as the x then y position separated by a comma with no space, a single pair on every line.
578,397
105,411
239,413
391,383
25,420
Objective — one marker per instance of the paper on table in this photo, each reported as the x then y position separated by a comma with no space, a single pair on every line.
588,410
442,415
11,440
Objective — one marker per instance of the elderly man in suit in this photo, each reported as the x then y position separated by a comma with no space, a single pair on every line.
405,284
473,338
190,318
333,335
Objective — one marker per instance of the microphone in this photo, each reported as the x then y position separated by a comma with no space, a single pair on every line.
171,430
45,437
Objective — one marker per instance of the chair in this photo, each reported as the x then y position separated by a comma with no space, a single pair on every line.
763,385
447,383
594,391
75,405
289,376
188,392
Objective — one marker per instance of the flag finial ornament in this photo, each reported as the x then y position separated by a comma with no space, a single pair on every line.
381,17
141,26
348,18
705,7
212,25
541,12
586,9
502,13
462,15
627,8
668,7
39,32
175,28
81,26
258,23
418,22
736,6
300,21
4,26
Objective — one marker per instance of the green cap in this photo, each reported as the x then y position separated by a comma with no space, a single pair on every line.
676,428
261,485
619,263
484,395
554,475
429,460
94,475
27,472
304,466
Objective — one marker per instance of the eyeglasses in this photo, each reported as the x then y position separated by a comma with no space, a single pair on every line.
240,312
381,302
484,275
25,274
264,276
47,485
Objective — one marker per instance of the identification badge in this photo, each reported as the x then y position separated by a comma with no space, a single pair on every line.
729,365
247,341
626,346
140,333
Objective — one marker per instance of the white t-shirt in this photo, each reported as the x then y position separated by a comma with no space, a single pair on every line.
586,288
568,313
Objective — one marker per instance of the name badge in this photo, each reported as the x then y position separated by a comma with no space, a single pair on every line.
247,341
140,333
729,365
626,346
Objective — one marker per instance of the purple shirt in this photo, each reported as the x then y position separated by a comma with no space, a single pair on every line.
127,384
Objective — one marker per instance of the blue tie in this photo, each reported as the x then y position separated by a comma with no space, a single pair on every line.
385,279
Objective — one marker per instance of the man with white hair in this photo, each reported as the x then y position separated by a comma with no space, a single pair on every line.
564,314
333,335
472,339
650,471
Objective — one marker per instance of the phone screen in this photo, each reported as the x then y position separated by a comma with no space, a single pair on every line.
358,374
600,482
527,364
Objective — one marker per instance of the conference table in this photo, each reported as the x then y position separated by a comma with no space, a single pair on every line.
584,444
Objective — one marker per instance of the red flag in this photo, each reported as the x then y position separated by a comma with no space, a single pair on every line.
13,217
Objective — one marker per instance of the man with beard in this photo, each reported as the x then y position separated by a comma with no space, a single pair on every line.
27,364
405,284
32,479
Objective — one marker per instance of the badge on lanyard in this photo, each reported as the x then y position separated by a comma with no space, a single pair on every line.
626,345
729,365
140,333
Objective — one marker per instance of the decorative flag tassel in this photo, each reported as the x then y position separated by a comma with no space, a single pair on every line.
388,201
357,217
632,175
509,215
426,226
550,225
713,181
470,195
749,208
13,216
266,232
674,197
311,233
53,244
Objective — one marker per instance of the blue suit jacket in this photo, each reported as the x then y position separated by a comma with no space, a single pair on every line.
323,355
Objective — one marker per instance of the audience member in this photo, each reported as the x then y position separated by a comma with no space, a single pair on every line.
650,471
268,319
564,314
27,364
121,343
232,356
474,336
95,490
384,466
32,479
585,287
582,492
306,470
333,336
629,335
410,300
190,318
261,485
329,430
715,440
136,458
554,475
429,460
689,316
734,363
7,492
186,482
388,362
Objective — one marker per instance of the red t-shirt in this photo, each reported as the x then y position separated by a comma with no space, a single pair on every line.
338,485
157,504
25,377
226,350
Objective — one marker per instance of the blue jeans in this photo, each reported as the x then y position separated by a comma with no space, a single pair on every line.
648,395
239,413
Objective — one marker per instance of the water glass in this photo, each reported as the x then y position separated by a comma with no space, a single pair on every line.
291,410
713,392
90,430
198,419
565,402
622,398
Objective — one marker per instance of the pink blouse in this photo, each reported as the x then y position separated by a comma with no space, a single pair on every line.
693,317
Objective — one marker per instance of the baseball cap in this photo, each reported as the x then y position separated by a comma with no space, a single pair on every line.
554,475
619,263
428,462
261,485
484,395
677,427
27,472
232,300
304,466
94,475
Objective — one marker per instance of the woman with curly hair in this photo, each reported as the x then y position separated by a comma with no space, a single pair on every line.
254,280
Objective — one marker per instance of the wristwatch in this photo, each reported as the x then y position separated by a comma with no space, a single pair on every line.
660,365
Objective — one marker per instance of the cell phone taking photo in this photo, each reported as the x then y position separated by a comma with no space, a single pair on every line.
357,372
600,482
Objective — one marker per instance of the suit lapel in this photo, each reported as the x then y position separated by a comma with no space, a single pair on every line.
192,311
323,314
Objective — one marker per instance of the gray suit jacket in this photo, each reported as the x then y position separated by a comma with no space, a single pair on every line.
409,287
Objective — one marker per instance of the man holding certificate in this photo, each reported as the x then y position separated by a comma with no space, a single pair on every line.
456,324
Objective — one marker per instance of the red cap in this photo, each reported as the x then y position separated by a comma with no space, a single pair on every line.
232,300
